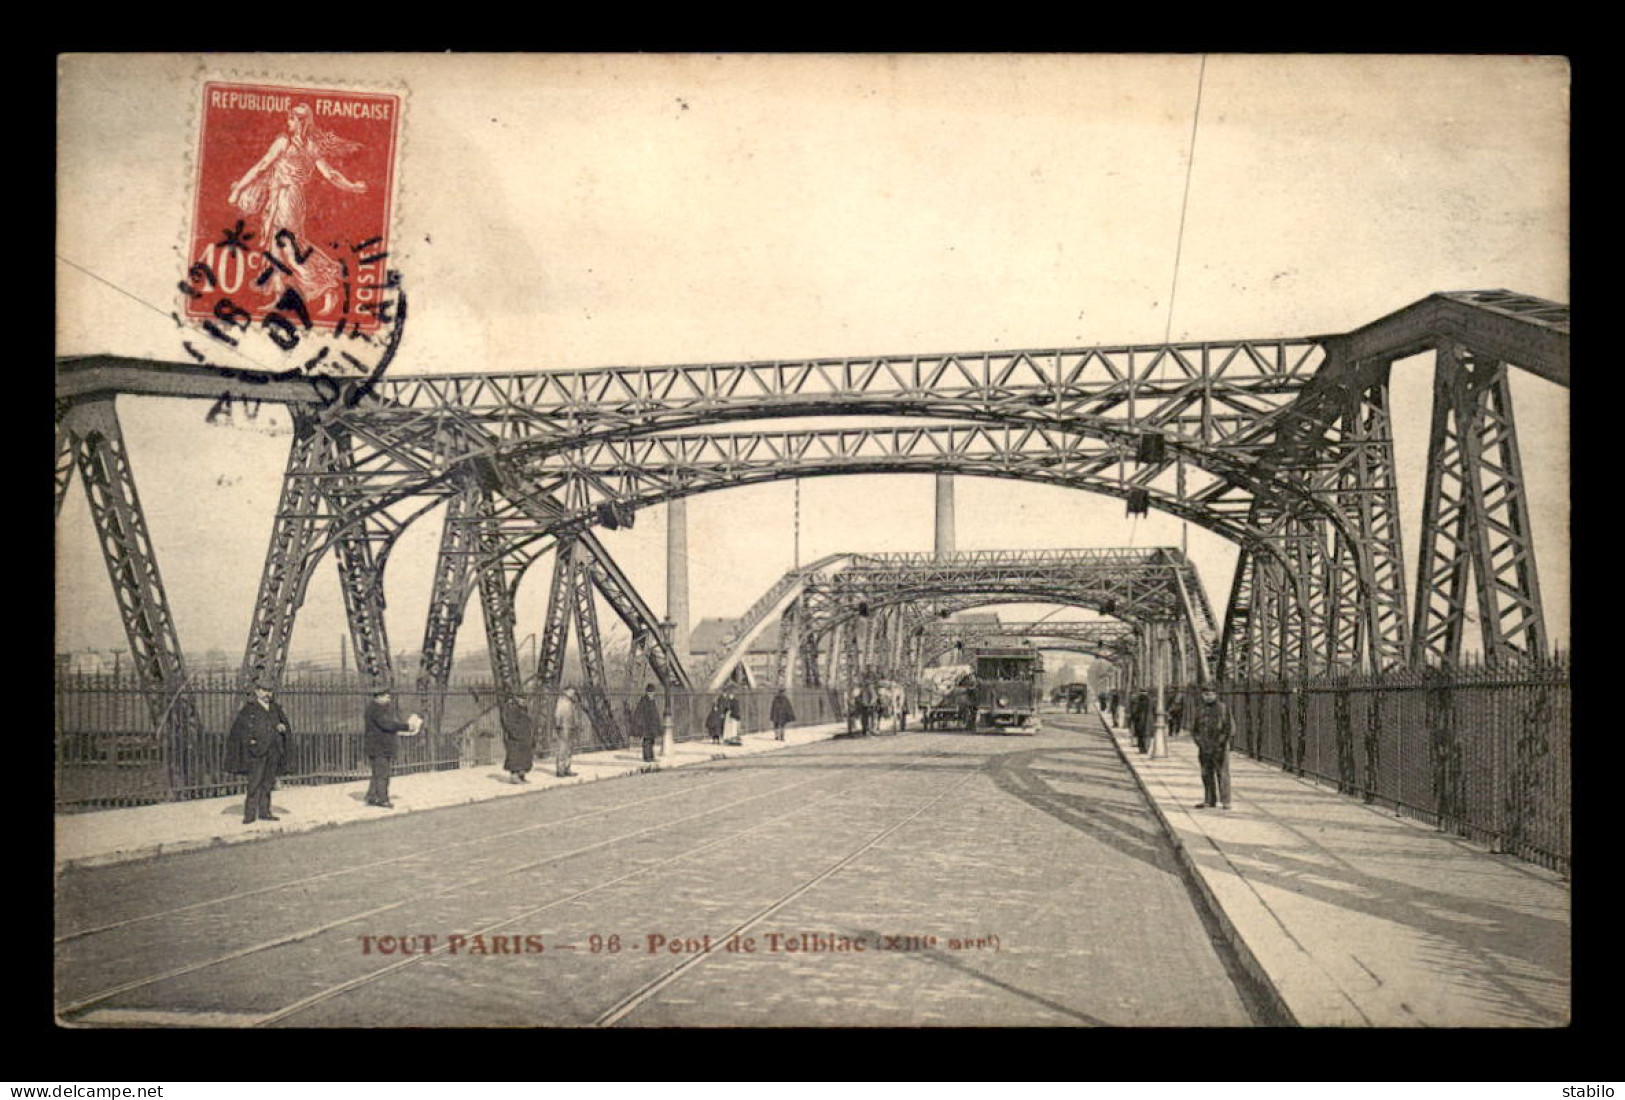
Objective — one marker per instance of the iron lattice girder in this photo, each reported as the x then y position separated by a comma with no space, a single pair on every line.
1501,324
1142,583
1269,403
1112,585
644,471
90,433
65,458
1475,519
1103,639
453,582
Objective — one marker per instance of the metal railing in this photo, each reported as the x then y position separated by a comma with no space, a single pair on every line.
1477,750
109,755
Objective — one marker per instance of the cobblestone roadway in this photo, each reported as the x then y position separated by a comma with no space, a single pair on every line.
1033,861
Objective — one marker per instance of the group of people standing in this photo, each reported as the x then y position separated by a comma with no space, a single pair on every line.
569,713
258,744
258,747
873,700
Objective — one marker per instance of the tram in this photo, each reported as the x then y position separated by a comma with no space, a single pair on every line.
1007,687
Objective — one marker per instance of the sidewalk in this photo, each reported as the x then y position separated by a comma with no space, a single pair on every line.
1352,916
141,832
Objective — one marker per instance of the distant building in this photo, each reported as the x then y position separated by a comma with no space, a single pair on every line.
759,660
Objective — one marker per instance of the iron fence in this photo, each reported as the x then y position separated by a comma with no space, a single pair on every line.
1478,750
109,753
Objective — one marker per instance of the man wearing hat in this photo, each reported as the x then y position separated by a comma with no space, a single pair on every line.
258,746
646,722
384,722
1212,730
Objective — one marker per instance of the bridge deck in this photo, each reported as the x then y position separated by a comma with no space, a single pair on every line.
1049,843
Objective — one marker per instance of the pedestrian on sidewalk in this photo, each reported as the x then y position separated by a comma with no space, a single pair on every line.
1117,707
646,722
1139,720
730,717
566,717
1212,730
781,714
518,740
713,721
258,746
383,724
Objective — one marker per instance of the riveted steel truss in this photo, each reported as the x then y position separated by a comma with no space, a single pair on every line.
90,436
1475,519
1283,444
1113,641
872,611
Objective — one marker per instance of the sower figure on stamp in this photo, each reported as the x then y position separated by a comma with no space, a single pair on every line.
384,722
646,722
1212,730
781,714
566,714
518,740
274,189
258,746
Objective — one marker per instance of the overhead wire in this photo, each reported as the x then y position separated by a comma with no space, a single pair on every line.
1179,250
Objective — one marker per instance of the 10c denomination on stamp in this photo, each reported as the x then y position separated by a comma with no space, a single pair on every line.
290,232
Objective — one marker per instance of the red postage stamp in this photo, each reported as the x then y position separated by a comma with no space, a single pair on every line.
291,214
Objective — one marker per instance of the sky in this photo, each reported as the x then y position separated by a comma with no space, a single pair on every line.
558,211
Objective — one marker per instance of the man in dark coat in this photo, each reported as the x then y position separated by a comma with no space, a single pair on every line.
781,714
646,722
1117,708
258,746
518,740
868,707
1139,720
384,721
1212,729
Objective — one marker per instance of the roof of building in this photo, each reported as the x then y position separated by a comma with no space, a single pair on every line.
709,633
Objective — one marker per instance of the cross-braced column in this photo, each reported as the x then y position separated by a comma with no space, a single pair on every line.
291,557
1475,519
591,649
1235,643
361,548
97,442
555,635
453,583
1375,505
64,463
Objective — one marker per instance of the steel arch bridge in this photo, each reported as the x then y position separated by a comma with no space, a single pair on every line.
1110,641
872,611
1282,444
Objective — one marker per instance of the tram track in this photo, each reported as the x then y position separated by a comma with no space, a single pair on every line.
82,1004
630,1003
356,868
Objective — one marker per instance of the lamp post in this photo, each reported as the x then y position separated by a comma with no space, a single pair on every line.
1159,676
668,630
